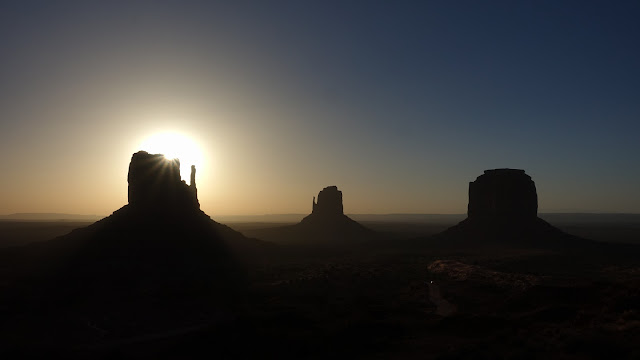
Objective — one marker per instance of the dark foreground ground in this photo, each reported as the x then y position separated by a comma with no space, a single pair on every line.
387,299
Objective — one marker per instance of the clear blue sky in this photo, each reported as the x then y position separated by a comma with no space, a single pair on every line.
398,103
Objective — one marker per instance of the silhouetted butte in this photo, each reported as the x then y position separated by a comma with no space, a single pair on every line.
502,210
326,226
155,184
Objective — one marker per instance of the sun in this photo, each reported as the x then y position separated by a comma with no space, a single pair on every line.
174,145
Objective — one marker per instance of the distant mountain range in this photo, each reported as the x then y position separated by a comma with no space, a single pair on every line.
436,218
51,217
400,218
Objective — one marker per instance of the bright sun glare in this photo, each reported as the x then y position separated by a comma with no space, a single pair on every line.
175,145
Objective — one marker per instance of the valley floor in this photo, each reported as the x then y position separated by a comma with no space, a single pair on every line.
401,302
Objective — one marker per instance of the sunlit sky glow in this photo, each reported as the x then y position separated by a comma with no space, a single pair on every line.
398,103
174,145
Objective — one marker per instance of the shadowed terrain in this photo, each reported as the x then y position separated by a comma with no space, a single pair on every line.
159,279
157,264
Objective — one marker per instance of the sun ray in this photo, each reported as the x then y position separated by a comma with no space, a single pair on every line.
174,145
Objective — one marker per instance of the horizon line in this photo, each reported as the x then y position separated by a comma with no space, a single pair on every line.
306,213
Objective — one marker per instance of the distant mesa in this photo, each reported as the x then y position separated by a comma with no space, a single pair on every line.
329,202
328,209
503,210
327,222
503,193
327,225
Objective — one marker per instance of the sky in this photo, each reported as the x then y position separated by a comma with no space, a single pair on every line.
399,103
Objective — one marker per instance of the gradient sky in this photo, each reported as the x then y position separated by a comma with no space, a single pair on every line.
398,103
